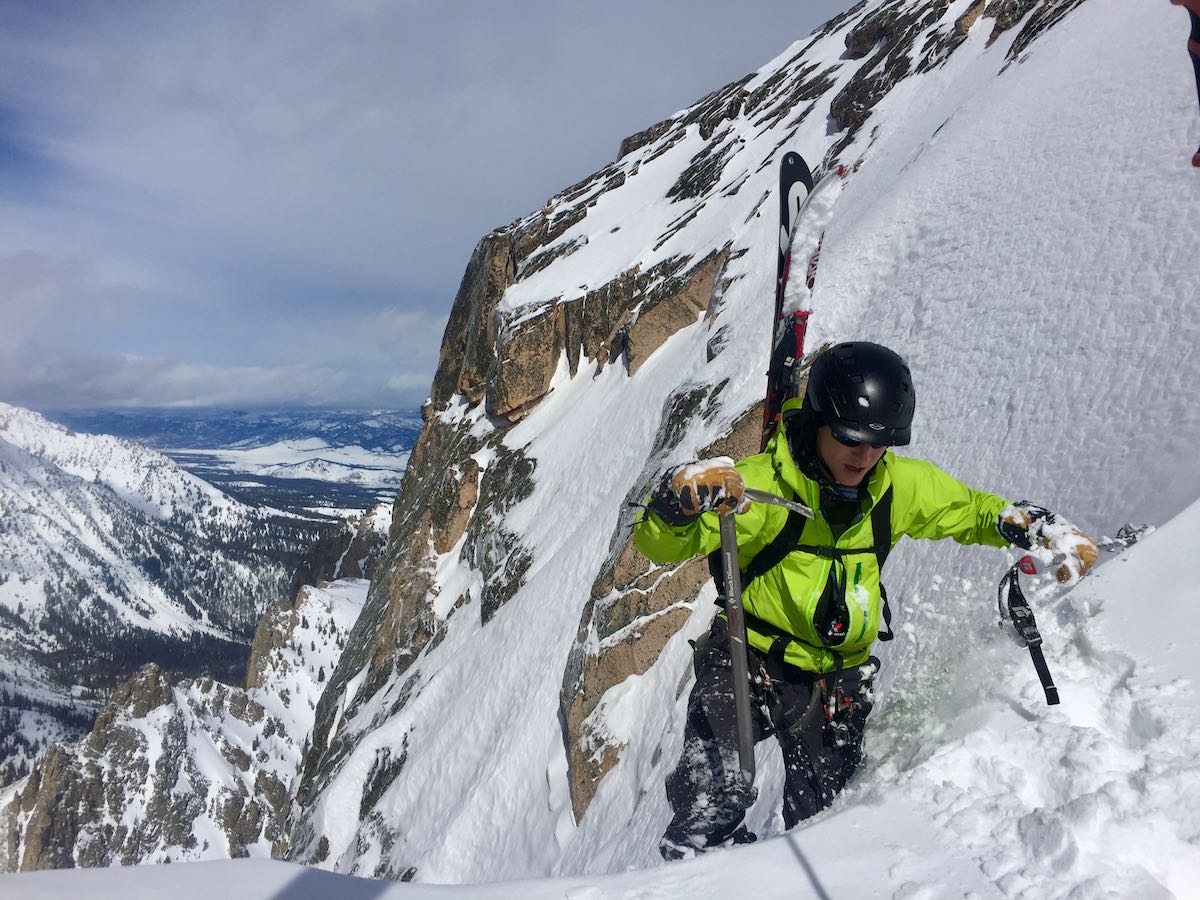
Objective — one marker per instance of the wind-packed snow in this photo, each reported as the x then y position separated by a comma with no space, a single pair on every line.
1026,240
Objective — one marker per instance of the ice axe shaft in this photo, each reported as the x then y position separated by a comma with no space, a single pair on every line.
732,588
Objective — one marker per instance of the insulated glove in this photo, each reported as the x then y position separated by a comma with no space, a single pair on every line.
1029,527
693,488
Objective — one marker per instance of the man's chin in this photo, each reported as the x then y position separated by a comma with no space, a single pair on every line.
852,477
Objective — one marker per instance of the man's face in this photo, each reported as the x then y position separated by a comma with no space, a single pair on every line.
849,465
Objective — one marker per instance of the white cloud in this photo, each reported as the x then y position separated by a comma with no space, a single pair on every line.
217,178
125,380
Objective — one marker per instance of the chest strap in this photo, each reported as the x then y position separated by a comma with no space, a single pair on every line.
787,541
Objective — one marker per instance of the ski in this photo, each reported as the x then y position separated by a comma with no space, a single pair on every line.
804,209
798,212
795,186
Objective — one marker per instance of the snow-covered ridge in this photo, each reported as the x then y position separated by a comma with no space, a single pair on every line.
108,515
110,556
191,771
143,478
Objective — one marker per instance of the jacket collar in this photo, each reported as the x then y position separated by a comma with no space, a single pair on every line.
806,488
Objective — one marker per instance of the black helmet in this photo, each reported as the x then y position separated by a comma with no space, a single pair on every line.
863,392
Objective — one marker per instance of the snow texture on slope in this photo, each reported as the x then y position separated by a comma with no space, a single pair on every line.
1025,238
976,787
1023,235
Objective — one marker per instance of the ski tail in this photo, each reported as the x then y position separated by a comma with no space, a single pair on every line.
798,212
795,187
795,184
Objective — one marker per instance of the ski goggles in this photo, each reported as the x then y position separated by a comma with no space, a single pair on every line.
850,442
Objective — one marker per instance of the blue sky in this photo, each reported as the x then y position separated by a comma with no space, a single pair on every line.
270,203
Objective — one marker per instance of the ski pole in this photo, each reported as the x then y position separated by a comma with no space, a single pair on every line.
1013,603
737,646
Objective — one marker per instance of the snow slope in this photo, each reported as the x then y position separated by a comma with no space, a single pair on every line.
111,555
996,794
141,477
196,769
92,522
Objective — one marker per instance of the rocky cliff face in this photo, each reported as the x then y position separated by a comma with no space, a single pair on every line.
195,770
600,278
351,550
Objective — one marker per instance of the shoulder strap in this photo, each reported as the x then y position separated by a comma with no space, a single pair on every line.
781,545
881,527
788,539
881,530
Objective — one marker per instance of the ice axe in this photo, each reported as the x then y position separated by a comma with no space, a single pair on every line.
731,588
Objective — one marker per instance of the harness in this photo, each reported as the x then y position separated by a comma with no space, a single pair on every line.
788,540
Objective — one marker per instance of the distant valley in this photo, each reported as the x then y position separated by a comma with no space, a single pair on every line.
328,463
118,548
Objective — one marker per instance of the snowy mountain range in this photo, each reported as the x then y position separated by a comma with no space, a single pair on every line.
190,769
112,556
329,462
511,697
165,429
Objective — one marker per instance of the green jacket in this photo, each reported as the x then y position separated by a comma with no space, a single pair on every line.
926,503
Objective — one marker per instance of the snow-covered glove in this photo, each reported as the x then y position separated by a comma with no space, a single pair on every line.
693,488
1034,528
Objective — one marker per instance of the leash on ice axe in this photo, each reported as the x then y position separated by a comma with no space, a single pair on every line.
731,587
1015,606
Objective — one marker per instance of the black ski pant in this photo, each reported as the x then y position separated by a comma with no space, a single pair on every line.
820,752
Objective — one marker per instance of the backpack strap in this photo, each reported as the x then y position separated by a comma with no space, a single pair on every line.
775,552
788,539
769,556
881,530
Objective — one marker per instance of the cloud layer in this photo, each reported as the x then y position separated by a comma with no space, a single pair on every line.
271,203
